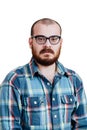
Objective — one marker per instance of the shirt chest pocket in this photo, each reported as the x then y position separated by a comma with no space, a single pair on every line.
68,106
34,108
68,99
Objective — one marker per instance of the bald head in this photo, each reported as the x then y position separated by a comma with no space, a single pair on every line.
45,21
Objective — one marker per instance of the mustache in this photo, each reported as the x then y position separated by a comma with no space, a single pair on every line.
46,50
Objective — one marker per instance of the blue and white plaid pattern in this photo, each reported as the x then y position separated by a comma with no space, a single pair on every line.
28,101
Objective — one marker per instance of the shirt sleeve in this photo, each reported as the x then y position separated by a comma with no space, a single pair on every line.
10,107
79,116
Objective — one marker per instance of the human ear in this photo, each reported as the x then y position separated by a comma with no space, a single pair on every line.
61,41
30,41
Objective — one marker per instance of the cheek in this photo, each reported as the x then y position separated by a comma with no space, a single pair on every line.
36,49
57,48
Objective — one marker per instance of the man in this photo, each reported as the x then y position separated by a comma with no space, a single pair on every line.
43,94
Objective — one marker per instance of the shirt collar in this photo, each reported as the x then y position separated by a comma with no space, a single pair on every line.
62,70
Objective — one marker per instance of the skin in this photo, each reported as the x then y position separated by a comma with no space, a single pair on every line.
46,56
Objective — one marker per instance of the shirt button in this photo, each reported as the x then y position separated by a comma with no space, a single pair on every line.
53,99
48,83
55,116
71,99
35,102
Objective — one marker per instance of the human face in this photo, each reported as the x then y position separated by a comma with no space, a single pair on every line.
45,54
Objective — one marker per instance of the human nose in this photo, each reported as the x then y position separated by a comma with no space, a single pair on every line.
47,43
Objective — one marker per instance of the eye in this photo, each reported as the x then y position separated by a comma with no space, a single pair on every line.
54,38
40,38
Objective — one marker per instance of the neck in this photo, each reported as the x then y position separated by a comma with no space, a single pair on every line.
48,71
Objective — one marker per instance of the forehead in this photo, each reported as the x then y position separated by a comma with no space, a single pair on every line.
46,29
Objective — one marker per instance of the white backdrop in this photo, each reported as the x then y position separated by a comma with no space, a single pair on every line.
16,18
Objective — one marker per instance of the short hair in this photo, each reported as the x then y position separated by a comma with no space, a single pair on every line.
46,21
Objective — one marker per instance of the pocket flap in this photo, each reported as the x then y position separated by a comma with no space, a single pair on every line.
34,102
68,99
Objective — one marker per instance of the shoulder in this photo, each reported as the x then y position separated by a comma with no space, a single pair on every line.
72,75
16,74
75,79
68,71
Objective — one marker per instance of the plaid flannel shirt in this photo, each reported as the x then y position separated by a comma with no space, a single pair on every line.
28,101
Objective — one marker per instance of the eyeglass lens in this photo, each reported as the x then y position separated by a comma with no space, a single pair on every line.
42,39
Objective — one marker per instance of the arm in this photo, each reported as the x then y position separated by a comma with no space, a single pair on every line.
10,107
79,116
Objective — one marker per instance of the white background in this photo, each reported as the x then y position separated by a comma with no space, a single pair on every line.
16,18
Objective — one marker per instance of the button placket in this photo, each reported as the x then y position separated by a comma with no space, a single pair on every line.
55,117
54,101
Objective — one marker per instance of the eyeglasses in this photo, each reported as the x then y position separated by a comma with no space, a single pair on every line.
41,39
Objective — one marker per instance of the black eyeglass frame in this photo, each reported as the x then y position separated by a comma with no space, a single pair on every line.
46,38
